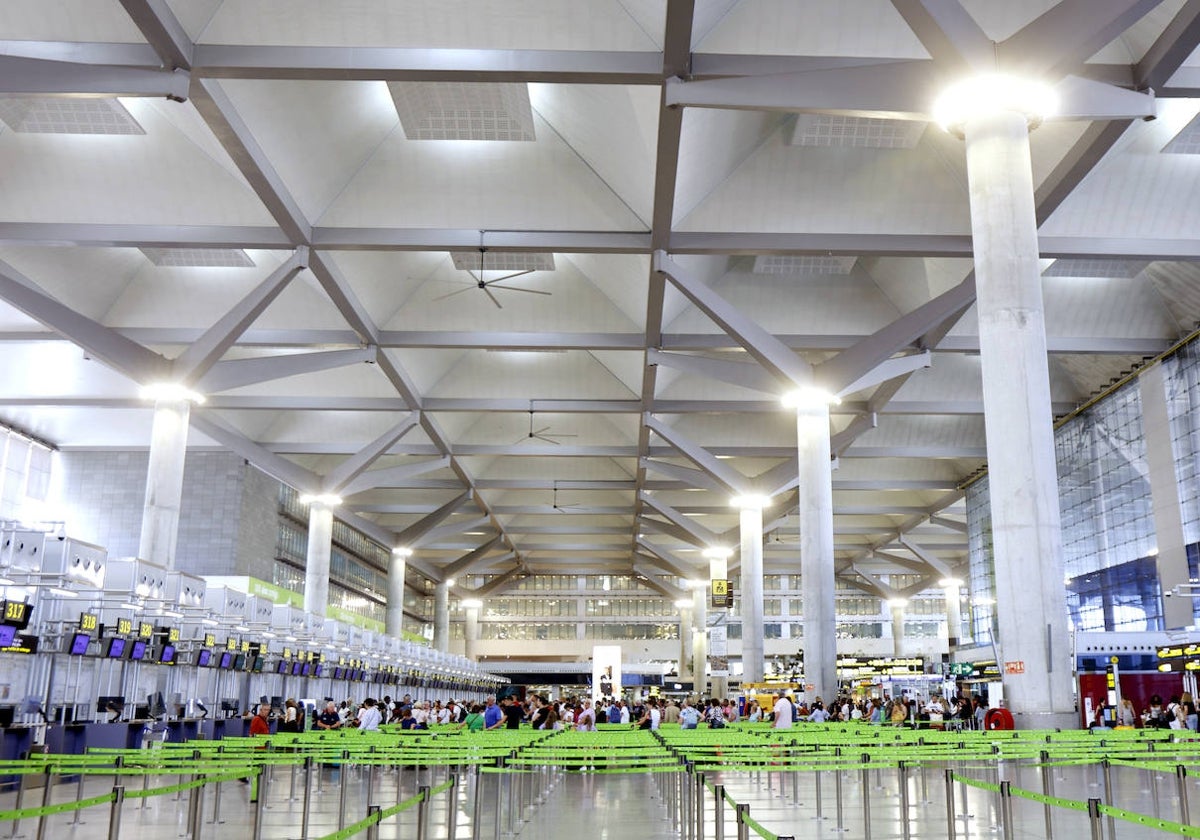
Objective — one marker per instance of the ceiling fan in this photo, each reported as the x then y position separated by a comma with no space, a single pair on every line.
563,508
489,285
543,434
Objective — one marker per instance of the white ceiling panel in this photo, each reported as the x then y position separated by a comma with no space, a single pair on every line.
869,28
521,24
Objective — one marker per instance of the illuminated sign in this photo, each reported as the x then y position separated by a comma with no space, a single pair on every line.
21,644
124,626
231,643
145,630
722,593
210,640
1178,651
88,622
16,613
881,665
172,634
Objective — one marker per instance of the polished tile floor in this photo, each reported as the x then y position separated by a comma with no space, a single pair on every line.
550,804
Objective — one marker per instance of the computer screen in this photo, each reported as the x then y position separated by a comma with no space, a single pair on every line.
306,671
239,662
8,634
317,669
167,656
112,704
204,658
116,648
138,653
296,668
79,644
226,659
283,667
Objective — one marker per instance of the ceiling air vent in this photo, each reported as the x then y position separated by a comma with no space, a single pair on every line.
855,132
67,115
1111,269
463,110
198,257
804,266
503,261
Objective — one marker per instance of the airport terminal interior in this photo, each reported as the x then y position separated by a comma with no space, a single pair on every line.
837,360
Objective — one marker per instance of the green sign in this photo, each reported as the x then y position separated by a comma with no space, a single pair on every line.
275,593
962,669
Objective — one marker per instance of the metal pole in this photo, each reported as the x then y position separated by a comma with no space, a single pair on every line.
905,829
866,800
292,785
817,793
1154,792
304,818
260,806
477,806
373,828
343,780
423,813
20,799
452,808
949,776
1047,790
699,806
198,818
1108,798
1094,819
47,797
837,787
719,815
1006,808
114,814
743,829
1184,809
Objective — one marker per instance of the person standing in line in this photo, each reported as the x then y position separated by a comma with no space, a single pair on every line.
783,713
670,712
369,717
585,721
493,717
689,718
514,713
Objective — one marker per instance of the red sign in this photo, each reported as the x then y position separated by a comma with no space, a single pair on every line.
1017,667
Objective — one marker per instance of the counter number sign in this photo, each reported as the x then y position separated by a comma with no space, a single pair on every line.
88,622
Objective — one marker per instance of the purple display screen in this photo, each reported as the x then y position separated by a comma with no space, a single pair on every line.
138,651
79,644
168,654
226,659
116,648
204,658
8,634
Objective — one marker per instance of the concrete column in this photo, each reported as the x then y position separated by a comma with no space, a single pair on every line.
316,566
164,482
952,589
752,589
685,640
471,632
1027,538
1164,497
397,568
897,606
441,617
816,546
699,639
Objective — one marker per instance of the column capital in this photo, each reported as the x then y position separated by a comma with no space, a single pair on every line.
994,93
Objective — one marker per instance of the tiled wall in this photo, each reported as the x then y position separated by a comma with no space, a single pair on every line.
228,521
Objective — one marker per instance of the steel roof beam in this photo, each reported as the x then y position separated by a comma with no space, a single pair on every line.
337,479
394,476
238,373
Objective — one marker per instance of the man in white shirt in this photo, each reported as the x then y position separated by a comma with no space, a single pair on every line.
783,713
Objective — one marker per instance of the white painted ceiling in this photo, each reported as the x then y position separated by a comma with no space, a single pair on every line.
287,138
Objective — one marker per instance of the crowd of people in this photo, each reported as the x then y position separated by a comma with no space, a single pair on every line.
579,713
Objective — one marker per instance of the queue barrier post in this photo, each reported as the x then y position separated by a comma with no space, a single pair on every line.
452,808
743,827
948,774
114,813
423,812
1093,811
306,811
1006,813
865,781
902,770
373,828
47,798
260,805
719,812
1184,808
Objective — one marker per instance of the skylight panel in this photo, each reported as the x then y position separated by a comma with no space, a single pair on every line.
1114,269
